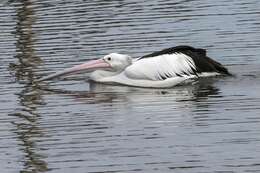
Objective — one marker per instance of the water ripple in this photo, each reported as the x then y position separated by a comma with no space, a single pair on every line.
75,126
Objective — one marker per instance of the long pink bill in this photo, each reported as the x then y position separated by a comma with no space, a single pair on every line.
91,65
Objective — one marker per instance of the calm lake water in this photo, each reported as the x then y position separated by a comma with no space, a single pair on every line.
76,126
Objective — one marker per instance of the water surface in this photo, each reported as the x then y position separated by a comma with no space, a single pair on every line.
76,126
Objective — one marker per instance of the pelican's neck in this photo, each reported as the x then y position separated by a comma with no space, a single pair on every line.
98,75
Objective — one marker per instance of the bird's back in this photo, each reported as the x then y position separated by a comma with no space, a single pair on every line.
203,63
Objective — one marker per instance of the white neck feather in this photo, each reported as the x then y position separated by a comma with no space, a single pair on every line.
101,74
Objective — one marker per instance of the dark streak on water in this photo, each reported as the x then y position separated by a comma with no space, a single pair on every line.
74,126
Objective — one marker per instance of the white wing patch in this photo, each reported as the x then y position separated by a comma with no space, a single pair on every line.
161,67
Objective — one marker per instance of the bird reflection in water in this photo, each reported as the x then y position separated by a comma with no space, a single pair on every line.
104,93
26,125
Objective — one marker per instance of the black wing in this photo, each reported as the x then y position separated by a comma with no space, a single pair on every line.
202,62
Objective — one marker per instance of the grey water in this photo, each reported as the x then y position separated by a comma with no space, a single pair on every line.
73,125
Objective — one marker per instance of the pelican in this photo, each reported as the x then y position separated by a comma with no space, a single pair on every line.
161,69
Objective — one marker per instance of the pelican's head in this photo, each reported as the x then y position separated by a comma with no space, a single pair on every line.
117,62
113,62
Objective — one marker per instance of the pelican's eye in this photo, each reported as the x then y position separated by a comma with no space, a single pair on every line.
109,58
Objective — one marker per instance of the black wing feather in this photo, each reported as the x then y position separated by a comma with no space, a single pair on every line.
202,62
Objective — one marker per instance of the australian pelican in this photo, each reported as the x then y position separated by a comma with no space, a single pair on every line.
165,68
